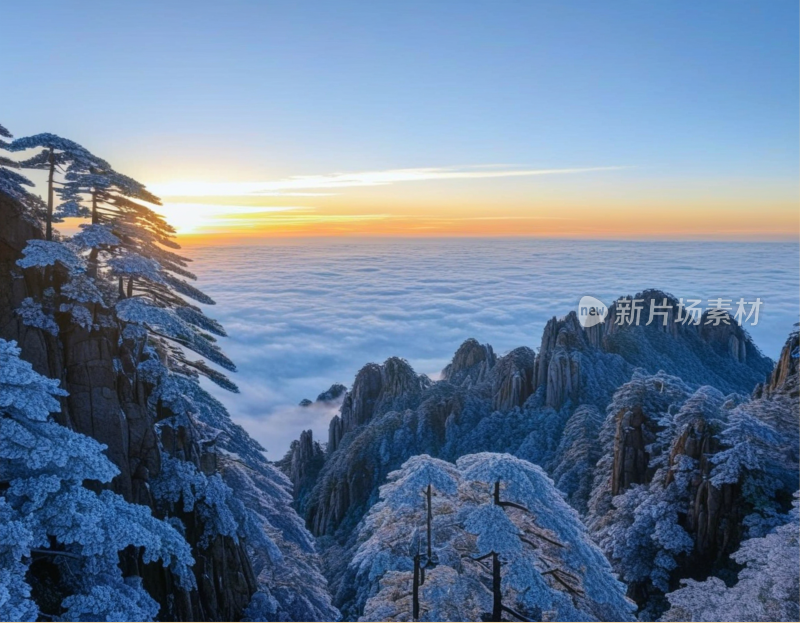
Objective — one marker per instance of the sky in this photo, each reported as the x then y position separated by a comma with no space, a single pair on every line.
575,119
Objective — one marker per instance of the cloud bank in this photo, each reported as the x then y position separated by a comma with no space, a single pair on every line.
303,314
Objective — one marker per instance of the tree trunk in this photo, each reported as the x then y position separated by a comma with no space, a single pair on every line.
121,289
497,593
429,519
130,287
415,591
93,253
49,225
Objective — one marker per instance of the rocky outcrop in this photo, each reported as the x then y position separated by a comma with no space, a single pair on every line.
512,379
715,514
359,402
377,389
333,393
572,336
102,402
302,462
558,364
784,377
106,401
726,337
335,433
653,309
470,364
330,395
634,431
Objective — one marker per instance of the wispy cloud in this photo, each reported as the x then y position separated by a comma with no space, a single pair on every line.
304,185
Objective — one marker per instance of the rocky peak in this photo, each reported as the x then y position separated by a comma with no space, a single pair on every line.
398,378
727,338
563,332
334,392
557,366
512,379
302,461
376,390
471,363
634,431
359,402
784,377
663,306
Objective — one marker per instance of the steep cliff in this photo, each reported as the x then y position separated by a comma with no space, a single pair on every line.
177,453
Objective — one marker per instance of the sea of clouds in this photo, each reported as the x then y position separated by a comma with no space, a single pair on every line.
305,313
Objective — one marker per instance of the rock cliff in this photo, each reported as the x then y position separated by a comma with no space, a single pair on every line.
111,399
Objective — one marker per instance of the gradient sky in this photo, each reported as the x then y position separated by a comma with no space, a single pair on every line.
587,119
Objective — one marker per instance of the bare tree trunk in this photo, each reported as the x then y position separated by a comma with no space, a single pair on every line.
49,225
415,591
94,208
93,253
130,287
497,593
121,289
429,519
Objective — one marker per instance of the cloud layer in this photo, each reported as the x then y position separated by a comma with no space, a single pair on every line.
303,314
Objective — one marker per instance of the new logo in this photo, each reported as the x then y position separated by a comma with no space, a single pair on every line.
591,311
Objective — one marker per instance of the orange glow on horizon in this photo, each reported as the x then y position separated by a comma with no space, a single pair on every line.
488,201
604,226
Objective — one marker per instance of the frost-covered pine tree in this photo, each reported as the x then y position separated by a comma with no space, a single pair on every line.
136,243
506,545
543,560
247,499
415,504
14,185
57,154
49,518
767,588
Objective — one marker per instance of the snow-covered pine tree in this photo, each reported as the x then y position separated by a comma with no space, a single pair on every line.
543,561
13,184
245,499
57,154
50,521
418,498
767,588
136,242
506,527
